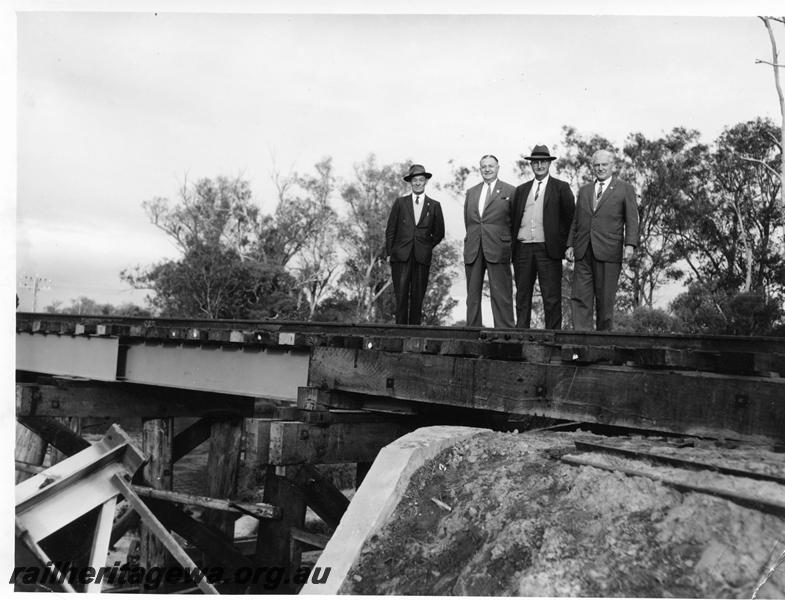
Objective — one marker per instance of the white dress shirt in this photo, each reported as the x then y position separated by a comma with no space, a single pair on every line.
417,206
487,188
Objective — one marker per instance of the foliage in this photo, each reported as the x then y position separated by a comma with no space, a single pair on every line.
369,198
215,283
644,319
87,306
438,303
710,309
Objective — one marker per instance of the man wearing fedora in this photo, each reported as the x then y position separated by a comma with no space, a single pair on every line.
487,215
542,214
604,232
415,226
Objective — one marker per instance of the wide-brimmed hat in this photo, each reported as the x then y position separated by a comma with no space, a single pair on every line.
540,153
415,170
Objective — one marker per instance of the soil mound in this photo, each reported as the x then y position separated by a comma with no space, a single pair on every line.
507,514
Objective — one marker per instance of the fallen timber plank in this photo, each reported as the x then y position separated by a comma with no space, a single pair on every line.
678,462
258,510
219,551
118,400
693,403
152,522
768,499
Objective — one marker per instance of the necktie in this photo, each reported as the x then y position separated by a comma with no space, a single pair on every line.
599,193
485,200
417,199
537,193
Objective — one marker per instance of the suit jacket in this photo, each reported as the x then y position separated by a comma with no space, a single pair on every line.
403,236
609,228
493,228
557,213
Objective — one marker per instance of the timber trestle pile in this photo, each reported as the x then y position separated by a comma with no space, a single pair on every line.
277,398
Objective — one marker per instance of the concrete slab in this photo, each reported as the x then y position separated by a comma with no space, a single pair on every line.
377,497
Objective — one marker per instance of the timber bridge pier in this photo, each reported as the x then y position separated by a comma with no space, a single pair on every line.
276,399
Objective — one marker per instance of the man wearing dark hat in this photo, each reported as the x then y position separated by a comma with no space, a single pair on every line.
487,215
542,214
414,228
604,232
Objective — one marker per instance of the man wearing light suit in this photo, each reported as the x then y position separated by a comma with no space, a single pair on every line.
604,232
415,226
542,214
487,215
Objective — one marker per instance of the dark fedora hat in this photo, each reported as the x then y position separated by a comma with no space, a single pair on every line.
415,170
540,153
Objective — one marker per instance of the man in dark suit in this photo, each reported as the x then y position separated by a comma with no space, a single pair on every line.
414,228
487,215
604,232
542,214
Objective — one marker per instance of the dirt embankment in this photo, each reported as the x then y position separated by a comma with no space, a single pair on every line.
503,514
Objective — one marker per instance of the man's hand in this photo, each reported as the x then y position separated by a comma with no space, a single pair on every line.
569,254
628,252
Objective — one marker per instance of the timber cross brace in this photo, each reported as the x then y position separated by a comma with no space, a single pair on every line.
273,400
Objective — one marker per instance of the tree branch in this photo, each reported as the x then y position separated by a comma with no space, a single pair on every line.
760,61
757,160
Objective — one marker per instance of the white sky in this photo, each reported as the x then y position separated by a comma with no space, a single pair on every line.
114,108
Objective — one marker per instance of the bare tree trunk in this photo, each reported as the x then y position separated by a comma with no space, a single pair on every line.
775,66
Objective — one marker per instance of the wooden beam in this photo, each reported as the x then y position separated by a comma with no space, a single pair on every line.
75,425
274,546
55,433
157,435
29,449
295,442
326,500
256,453
119,400
191,437
259,510
315,540
693,403
223,463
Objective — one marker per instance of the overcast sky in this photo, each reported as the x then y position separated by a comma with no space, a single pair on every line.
115,108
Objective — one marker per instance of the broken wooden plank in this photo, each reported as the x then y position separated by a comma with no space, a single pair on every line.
155,526
766,496
259,510
678,462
